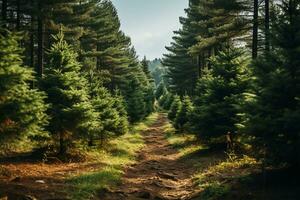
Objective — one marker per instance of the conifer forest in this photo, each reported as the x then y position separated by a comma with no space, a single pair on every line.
85,116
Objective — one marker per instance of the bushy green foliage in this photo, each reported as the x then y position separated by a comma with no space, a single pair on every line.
160,91
120,106
135,103
207,28
72,114
184,113
22,109
112,115
274,109
219,94
175,107
166,100
169,100
149,99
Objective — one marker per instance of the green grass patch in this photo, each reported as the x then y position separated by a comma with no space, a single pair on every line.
214,191
120,152
185,143
216,180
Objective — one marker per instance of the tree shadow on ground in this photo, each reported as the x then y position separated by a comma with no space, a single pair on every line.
275,184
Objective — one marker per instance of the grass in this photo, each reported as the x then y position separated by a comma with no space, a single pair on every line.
121,152
214,190
185,143
217,180
216,174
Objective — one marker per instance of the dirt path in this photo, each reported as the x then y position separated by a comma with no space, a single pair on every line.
159,172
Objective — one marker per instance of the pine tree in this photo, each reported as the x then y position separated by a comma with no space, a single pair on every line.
108,45
175,107
162,100
145,66
219,94
113,121
22,108
178,62
184,113
135,103
71,112
273,111
168,101
160,91
222,21
120,106
149,99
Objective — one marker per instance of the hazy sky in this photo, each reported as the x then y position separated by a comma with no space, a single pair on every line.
150,23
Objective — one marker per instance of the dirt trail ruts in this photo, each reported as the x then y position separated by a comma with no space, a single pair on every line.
159,172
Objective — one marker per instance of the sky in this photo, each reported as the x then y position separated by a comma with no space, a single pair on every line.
150,23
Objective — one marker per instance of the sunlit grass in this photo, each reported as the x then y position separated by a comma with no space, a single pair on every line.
226,169
120,153
215,180
214,190
185,143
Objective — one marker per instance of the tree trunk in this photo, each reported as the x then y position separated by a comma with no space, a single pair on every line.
199,65
32,42
18,22
63,145
267,25
40,64
98,60
4,12
255,30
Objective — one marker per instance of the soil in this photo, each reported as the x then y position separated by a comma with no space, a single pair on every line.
160,172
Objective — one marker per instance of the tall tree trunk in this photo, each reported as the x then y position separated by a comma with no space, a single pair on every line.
199,63
98,60
255,30
63,145
267,25
4,12
18,22
40,64
32,42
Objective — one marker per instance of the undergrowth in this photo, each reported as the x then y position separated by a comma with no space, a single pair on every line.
215,173
185,143
120,152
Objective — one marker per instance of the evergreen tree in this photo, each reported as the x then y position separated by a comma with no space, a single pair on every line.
135,100
160,91
120,106
168,101
222,21
273,111
162,100
108,45
145,66
71,112
181,68
219,94
22,108
149,99
114,122
184,113
175,107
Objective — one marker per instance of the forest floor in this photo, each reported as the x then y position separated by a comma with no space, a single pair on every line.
160,171
152,162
